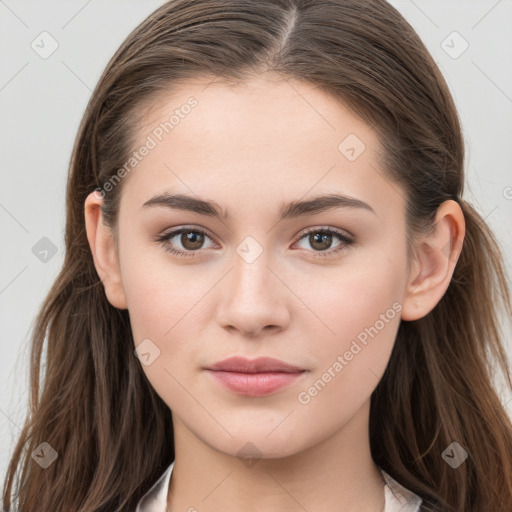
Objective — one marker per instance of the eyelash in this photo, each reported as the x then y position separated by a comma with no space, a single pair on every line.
346,241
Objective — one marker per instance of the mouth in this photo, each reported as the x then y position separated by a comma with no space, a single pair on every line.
257,377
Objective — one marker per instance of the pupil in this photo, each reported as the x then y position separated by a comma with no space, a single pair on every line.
324,240
191,240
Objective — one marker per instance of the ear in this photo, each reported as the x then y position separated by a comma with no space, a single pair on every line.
435,257
103,248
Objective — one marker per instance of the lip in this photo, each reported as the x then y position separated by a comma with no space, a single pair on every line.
258,365
256,377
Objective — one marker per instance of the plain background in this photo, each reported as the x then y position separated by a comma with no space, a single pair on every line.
42,101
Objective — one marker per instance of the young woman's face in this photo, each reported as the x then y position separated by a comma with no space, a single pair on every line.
266,279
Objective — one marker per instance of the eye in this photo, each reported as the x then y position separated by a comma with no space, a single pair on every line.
321,239
190,239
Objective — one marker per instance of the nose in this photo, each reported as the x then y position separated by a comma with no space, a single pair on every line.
253,299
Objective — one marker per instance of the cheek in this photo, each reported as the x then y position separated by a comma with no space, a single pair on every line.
161,296
348,300
161,309
166,306
360,313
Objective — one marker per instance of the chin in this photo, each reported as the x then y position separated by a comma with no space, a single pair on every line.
250,443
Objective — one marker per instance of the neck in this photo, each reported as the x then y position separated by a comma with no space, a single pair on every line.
336,474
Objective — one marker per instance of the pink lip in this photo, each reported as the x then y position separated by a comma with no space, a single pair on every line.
255,377
258,365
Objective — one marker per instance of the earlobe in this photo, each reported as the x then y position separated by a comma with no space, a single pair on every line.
102,245
434,263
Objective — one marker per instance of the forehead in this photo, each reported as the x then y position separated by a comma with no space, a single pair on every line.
268,136
270,109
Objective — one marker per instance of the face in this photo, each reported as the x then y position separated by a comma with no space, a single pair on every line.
319,288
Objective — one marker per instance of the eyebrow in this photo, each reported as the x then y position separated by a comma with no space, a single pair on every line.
287,211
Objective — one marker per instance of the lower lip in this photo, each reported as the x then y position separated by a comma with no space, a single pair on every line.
255,384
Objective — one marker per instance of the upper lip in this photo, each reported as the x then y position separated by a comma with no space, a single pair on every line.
258,365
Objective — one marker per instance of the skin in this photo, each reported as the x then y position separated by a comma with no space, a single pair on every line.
250,148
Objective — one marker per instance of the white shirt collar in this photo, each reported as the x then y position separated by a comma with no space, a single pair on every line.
398,498
155,500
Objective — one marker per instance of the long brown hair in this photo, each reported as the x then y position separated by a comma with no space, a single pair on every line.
112,432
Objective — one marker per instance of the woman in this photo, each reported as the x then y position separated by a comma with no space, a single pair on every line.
274,296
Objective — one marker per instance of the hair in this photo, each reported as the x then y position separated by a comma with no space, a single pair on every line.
96,408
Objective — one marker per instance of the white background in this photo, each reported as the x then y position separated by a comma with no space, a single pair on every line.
42,101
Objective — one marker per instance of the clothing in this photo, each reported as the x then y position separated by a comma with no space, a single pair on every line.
398,498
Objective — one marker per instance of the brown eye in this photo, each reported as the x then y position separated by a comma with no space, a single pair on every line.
183,241
321,240
192,240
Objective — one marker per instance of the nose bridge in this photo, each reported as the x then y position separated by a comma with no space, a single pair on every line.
250,272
